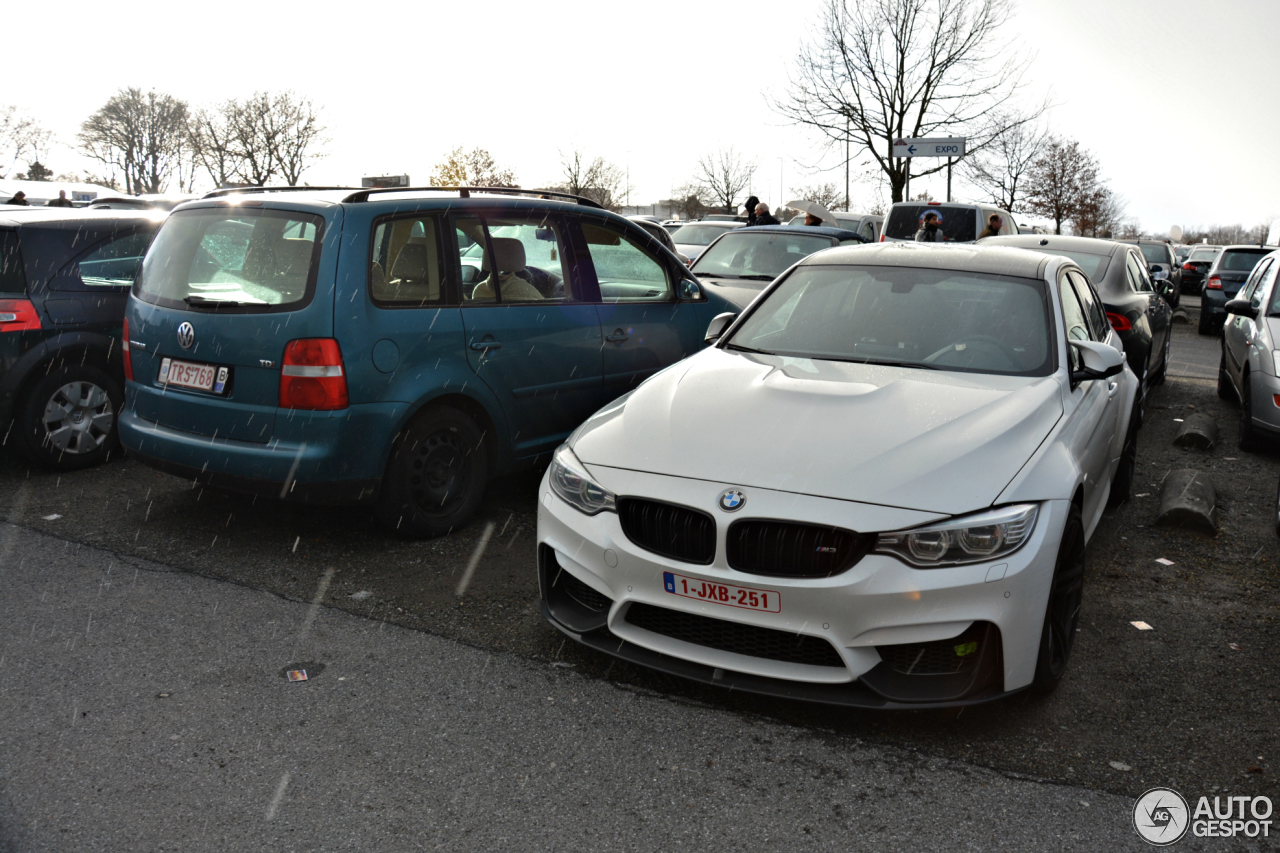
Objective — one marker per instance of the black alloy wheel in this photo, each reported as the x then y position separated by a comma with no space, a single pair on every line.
68,419
436,476
1122,482
1250,440
1062,614
1225,389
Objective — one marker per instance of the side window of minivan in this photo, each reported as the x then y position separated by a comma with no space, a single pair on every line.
513,258
626,272
406,268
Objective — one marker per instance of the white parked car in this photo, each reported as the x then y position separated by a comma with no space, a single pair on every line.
873,489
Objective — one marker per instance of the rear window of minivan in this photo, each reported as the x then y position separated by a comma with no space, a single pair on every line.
240,260
958,223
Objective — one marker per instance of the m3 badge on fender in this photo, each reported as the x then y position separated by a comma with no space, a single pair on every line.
732,500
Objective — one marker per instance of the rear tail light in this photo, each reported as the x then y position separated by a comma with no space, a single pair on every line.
311,375
1189,267
124,348
1119,322
18,315
1215,283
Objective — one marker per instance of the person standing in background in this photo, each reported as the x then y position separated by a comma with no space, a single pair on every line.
61,200
763,216
752,203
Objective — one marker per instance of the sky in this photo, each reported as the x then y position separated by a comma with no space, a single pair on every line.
1169,97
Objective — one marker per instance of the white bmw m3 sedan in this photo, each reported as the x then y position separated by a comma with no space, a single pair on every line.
874,489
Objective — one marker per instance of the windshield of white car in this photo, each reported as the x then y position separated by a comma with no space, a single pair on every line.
760,255
945,319
700,234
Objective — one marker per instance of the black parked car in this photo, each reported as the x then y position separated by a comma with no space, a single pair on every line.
1166,272
1228,272
1196,267
1122,277
64,280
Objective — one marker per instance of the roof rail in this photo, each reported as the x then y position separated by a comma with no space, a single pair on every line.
465,192
233,190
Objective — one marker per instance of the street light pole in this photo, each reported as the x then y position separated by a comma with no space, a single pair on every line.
780,193
846,164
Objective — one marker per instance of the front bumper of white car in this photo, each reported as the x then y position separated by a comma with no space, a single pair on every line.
880,634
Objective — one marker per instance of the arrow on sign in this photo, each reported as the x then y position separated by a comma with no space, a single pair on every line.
911,150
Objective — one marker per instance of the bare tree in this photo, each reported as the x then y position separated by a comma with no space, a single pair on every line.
690,201
1100,213
723,176
212,141
999,170
298,132
21,137
141,134
881,70
1061,181
594,178
828,195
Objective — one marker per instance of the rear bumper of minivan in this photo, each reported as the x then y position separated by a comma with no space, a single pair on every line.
332,466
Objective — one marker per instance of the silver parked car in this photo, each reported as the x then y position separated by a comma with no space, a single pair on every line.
691,239
1249,370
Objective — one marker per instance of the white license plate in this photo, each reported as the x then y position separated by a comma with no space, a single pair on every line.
746,597
188,374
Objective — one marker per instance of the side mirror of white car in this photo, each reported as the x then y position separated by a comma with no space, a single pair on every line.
718,324
1099,361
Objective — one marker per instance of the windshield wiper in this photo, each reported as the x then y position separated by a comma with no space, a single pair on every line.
741,348
204,300
716,275
881,363
758,277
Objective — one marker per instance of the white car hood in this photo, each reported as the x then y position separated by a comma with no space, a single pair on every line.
919,439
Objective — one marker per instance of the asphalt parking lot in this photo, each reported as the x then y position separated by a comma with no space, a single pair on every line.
1190,704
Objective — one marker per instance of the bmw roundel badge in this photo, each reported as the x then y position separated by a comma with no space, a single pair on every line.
186,335
732,500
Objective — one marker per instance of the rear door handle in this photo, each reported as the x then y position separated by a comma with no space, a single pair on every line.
487,344
617,337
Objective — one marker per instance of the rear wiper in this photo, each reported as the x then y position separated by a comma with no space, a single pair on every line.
204,300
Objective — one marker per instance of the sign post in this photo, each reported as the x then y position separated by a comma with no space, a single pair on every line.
951,147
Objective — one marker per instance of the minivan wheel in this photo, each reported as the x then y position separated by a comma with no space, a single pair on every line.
1062,614
436,476
68,420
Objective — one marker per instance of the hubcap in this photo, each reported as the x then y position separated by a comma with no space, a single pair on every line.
78,418
440,472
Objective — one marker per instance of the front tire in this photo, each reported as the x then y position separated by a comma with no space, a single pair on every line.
68,420
1250,440
1062,613
1206,326
1225,390
1122,482
436,476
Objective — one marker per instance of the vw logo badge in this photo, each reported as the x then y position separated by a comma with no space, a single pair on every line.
186,335
732,500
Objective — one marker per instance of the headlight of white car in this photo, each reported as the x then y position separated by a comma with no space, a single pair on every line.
570,480
969,539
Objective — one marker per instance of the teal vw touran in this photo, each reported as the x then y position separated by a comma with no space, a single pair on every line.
397,348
